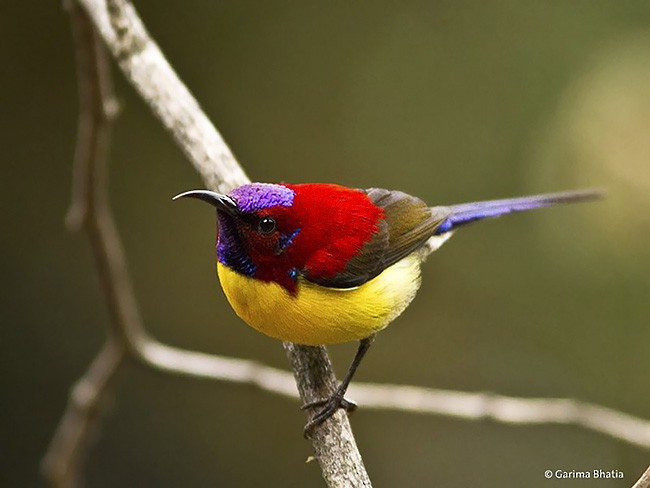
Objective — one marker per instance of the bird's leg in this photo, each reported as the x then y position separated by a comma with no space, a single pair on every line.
337,400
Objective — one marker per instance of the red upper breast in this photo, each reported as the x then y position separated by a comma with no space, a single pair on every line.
335,222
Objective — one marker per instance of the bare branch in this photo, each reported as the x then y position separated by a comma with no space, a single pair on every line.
404,398
63,460
504,409
644,480
212,367
151,75
315,380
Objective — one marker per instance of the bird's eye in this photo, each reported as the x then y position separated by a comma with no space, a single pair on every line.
266,225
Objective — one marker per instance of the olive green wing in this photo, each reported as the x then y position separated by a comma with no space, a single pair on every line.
407,224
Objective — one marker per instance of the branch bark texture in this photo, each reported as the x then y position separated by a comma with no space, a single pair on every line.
316,380
644,480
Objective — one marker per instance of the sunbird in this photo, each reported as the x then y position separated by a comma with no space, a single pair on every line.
321,264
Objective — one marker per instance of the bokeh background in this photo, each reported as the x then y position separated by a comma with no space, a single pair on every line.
450,101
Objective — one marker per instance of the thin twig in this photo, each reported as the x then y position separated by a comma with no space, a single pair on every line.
504,409
63,460
404,398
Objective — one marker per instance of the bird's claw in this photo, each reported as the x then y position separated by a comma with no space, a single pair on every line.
340,402
330,406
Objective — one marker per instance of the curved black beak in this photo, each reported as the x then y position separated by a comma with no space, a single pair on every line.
217,200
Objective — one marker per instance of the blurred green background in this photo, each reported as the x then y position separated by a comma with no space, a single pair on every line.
450,101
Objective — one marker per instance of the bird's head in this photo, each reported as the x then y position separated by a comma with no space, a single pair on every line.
276,232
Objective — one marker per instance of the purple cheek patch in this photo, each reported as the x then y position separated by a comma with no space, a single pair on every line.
257,196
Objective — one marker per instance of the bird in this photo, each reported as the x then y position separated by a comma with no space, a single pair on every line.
321,263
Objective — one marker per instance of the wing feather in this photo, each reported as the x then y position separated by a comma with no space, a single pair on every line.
407,224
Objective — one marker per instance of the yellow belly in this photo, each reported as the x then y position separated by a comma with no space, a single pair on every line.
318,315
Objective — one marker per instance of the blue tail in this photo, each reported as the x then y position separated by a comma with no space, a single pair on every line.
469,212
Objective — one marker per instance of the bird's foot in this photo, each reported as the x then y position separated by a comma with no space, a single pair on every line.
330,406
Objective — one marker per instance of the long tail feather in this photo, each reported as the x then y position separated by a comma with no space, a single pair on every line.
465,213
